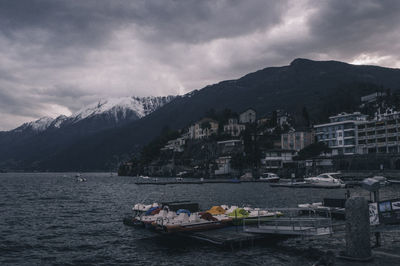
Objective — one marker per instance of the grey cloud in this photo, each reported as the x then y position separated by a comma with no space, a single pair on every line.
351,27
71,53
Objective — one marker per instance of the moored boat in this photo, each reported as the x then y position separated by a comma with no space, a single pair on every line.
269,177
193,222
326,179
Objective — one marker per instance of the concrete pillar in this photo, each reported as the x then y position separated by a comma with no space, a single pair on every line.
358,245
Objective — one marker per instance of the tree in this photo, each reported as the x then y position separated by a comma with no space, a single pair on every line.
306,116
274,118
205,125
313,150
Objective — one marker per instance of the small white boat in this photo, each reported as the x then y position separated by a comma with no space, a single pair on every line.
80,179
326,179
144,177
269,177
382,180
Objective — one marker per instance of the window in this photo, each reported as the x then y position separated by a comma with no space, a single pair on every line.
382,150
349,133
349,142
380,140
380,132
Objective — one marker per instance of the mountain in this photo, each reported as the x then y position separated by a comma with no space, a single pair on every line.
20,147
114,111
324,87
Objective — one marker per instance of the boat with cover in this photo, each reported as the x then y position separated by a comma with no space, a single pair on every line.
144,214
249,215
191,222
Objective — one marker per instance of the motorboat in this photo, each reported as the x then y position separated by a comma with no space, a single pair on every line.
326,179
382,180
269,177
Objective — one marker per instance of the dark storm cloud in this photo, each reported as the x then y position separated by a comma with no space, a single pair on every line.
355,26
90,22
58,55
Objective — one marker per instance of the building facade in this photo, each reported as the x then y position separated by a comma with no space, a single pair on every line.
223,165
203,129
275,159
381,135
340,134
373,97
233,128
248,116
296,140
176,145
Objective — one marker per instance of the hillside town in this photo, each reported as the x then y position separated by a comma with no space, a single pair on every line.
246,145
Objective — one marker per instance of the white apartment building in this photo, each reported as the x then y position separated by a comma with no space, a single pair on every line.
381,135
340,134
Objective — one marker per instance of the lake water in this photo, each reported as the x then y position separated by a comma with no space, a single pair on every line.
49,218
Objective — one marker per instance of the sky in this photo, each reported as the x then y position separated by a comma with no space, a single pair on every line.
56,56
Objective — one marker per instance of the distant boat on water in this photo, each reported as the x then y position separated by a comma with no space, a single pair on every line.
79,178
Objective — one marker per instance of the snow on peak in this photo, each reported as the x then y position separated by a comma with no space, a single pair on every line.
107,105
38,125
116,108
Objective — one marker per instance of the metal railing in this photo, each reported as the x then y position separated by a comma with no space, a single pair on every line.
292,223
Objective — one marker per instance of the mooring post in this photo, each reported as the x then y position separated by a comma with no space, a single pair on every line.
377,234
358,246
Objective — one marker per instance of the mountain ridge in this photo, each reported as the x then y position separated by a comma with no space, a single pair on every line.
115,108
324,87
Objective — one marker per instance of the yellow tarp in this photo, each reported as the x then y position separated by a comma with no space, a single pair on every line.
215,210
239,213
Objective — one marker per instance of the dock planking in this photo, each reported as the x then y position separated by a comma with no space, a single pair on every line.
228,237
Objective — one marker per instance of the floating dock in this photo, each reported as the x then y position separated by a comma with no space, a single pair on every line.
223,181
298,226
305,185
226,237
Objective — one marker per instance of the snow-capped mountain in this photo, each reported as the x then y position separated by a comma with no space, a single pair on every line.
113,110
38,125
